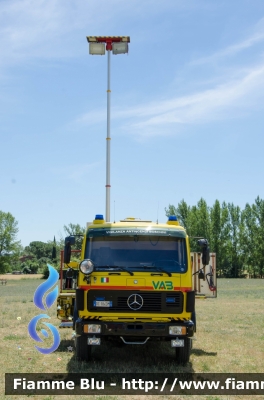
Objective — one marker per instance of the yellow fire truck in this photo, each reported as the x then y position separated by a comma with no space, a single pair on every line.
134,283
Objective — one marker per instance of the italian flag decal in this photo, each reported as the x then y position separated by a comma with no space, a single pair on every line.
104,280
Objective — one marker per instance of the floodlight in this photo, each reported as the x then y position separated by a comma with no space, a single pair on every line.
120,48
97,49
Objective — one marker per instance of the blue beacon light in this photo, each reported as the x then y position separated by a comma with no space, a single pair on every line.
99,216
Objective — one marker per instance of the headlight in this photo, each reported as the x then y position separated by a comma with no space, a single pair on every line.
177,330
94,328
87,267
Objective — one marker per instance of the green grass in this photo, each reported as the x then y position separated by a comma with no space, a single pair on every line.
229,339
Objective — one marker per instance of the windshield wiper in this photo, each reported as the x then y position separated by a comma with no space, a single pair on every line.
163,270
154,268
124,269
114,268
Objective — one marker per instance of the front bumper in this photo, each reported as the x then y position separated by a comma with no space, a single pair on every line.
154,330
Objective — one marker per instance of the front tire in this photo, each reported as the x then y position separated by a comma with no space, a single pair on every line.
83,351
75,317
183,353
194,320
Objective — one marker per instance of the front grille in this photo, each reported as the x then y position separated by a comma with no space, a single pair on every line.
176,300
153,302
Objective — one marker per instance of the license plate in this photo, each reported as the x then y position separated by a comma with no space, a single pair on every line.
100,303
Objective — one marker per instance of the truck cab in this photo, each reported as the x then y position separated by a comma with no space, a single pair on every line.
134,284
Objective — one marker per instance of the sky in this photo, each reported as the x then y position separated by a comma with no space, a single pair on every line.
186,109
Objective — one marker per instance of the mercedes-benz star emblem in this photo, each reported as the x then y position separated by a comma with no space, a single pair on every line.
135,302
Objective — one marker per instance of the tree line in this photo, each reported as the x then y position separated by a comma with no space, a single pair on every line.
34,257
234,234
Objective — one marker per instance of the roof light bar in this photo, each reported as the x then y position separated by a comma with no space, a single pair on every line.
99,216
173,220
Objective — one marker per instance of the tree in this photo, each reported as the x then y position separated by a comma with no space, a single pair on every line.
195,219
200,223
182,212
40,249
248,237
234,248
54,251
30,266
251,237
220,225
77,231
9,247
41,254
258,211
220,235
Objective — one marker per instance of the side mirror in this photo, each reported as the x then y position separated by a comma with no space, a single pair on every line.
69,240
205,251
206,256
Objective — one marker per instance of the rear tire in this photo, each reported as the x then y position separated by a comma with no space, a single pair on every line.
83,351
183,353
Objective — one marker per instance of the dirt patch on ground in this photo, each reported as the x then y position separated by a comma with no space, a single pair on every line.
20,276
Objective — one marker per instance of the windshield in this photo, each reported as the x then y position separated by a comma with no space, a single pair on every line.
138,253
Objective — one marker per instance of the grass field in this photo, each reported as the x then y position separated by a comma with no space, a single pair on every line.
229,339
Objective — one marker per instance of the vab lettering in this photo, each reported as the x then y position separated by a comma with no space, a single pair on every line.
162,285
